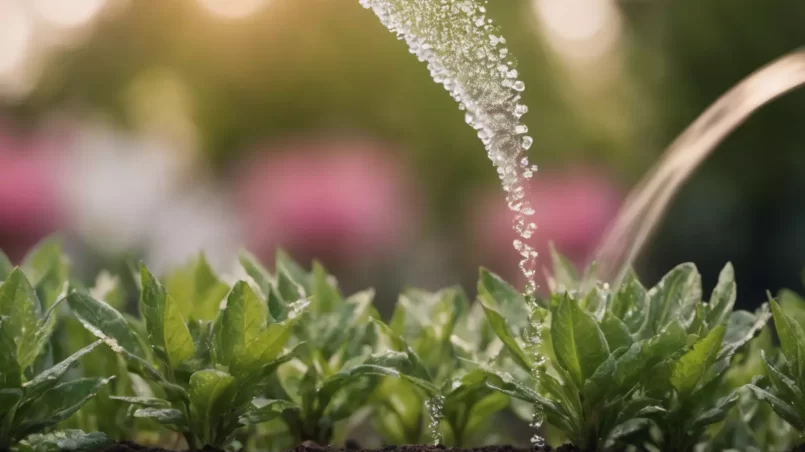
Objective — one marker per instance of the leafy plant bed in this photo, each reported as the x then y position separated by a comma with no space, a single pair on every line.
265,360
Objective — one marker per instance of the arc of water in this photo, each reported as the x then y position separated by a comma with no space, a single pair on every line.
649,200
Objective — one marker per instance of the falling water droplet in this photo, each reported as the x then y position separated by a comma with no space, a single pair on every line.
435,407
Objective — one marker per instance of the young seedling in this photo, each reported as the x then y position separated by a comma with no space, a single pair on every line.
34,396
446,336
212,374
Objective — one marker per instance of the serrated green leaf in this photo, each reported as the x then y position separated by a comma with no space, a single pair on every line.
266,410
691,367
578,342
241,323
164,416
20,305
63,441
167,330
205,389
723,298
792,340
783,409
103,321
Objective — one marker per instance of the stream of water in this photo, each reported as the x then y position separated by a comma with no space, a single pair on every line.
466,53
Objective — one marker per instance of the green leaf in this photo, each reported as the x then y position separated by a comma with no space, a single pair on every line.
47,379
206,388
326,295
784,386
624,429
616,332
717,413
723,298
10,372
501,328
64,440
265,410
741,328
148,402
565,277
9,399
792,339
630,303
167,330
47,269
241,323
691,367
579,343
197,289
295,272
6,267
104,322
673,298
256,271
164,416
783,409
793,305
58,403
20,305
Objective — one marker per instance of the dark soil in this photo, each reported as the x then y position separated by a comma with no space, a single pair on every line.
354,447
126,446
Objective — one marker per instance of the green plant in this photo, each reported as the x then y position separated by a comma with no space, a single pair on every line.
619,364
333,375
783,387
446,335
210,374
33,395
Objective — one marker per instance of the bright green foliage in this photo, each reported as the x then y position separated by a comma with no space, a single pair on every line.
445,335
339,358
785,383
33,396
631,366
208,375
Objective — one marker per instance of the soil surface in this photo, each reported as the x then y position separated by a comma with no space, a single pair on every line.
351,446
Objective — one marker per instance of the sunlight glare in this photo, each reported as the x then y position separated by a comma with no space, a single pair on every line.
16,37
580,29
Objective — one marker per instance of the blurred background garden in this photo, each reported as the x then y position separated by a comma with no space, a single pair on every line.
151,129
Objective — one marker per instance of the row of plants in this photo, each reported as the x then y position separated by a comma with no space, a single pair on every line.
264,360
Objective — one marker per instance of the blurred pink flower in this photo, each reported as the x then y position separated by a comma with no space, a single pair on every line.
29,203
336,200
573,210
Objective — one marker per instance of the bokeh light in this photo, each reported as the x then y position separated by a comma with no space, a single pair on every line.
67,14
580,29
232,8
16,37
